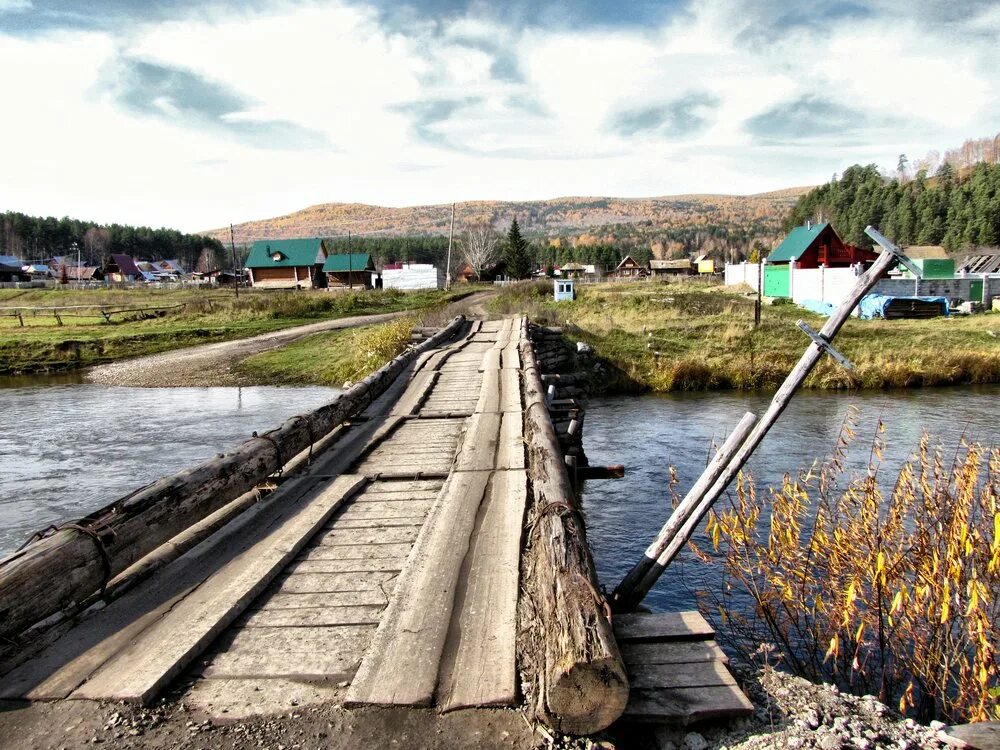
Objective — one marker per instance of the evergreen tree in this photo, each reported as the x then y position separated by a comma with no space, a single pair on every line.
516,255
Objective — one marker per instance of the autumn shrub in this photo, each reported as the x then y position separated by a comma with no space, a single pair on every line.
895,594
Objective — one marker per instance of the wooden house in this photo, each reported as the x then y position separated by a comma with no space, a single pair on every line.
10,274
353,270
287,264
680,267
814,245
121,269
629,269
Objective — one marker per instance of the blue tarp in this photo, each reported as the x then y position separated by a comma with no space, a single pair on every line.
820,308
874,305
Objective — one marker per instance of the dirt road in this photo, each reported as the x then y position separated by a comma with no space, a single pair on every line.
213,364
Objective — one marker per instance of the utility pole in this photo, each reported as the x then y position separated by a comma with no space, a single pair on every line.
79,276
236,269
350,263
760,284
451,234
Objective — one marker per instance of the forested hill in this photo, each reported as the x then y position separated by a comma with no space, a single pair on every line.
38,238
665,226
956,208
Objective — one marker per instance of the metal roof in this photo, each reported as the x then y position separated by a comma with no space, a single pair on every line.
289,253
796,243
349,262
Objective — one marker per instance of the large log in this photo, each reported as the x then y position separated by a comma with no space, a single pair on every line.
60,571
575,677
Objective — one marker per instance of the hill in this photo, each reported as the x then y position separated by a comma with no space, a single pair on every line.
692,220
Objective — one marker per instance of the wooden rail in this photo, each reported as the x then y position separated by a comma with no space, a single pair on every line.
104,311
60,571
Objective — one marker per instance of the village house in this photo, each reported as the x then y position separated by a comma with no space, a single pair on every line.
287,264
815,245
121,269
629,269
679,267
10,273
349,270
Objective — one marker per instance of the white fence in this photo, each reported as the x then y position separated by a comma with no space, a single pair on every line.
742,273
829,285
413,276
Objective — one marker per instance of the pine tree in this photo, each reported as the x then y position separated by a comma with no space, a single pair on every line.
516,254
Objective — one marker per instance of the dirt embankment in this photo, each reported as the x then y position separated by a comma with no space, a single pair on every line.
214,364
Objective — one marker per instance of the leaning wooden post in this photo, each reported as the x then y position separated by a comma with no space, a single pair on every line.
574,674
641,578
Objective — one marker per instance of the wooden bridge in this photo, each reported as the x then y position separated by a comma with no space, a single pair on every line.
418,544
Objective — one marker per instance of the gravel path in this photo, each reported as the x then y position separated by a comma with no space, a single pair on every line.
213,364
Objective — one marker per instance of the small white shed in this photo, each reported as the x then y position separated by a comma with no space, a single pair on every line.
564,290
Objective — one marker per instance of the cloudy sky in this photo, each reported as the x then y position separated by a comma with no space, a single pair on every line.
195,114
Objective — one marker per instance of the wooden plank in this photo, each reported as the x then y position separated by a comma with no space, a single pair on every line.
317,583
489,394
418,389
510,452
312,617
479,447
659,626
511,357
490,360
401,667
686,705
672,652
350,566
282,600
342,537
139,671
234,699
296,665
385,509
378,523
478,666
510,390
399,549
337,639
690,674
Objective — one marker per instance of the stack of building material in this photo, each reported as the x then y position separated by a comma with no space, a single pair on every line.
408,276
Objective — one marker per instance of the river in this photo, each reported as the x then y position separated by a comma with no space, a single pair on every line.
651,433
68,448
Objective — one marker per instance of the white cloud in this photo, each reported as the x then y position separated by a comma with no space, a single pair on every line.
15,6
485,110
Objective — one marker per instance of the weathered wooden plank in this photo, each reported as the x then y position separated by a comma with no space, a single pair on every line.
296,665
686,705
232,699
418,389
167,646
399,549
378,523
317,583
401,667
311,617
479,448
490,360
478,666
684,675
510,451
489,394
385,509
342,537
659,626
350,566
282,600
672,652
336,639
510,390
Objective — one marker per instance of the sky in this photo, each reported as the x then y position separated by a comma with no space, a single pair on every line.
195,114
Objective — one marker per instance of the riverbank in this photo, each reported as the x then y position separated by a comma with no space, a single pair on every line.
182,318
690,335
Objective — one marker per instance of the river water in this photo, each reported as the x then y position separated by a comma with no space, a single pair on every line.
68,448
651,433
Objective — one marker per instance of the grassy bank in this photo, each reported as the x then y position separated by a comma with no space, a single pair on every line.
332,358
688,335
189,317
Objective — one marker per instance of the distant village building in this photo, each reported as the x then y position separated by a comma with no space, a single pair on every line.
355,270
982,260
12,273
704,264
815,245
85,274
629,269
412,276
679,267
120,269
573,270
287,264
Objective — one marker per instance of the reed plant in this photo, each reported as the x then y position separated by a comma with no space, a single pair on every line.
894,593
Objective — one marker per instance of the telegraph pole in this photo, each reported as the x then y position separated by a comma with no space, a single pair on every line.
451,234
350,263
236,269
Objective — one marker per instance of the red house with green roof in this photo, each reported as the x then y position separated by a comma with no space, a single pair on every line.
287,264
815,245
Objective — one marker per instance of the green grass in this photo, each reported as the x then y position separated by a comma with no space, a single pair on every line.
331,358
692,336
206,316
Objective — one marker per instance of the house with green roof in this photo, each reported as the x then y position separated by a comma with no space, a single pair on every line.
288,264
349,270
809,246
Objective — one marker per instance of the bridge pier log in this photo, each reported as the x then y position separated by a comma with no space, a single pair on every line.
57,573
575,679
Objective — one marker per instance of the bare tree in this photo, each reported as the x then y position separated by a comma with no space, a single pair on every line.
96,242
481,248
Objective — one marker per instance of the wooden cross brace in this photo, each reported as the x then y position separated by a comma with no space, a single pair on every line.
821,341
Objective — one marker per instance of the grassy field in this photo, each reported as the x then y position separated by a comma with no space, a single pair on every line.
187,317
689,335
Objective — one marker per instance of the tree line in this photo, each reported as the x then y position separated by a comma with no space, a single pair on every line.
956,208
38,238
